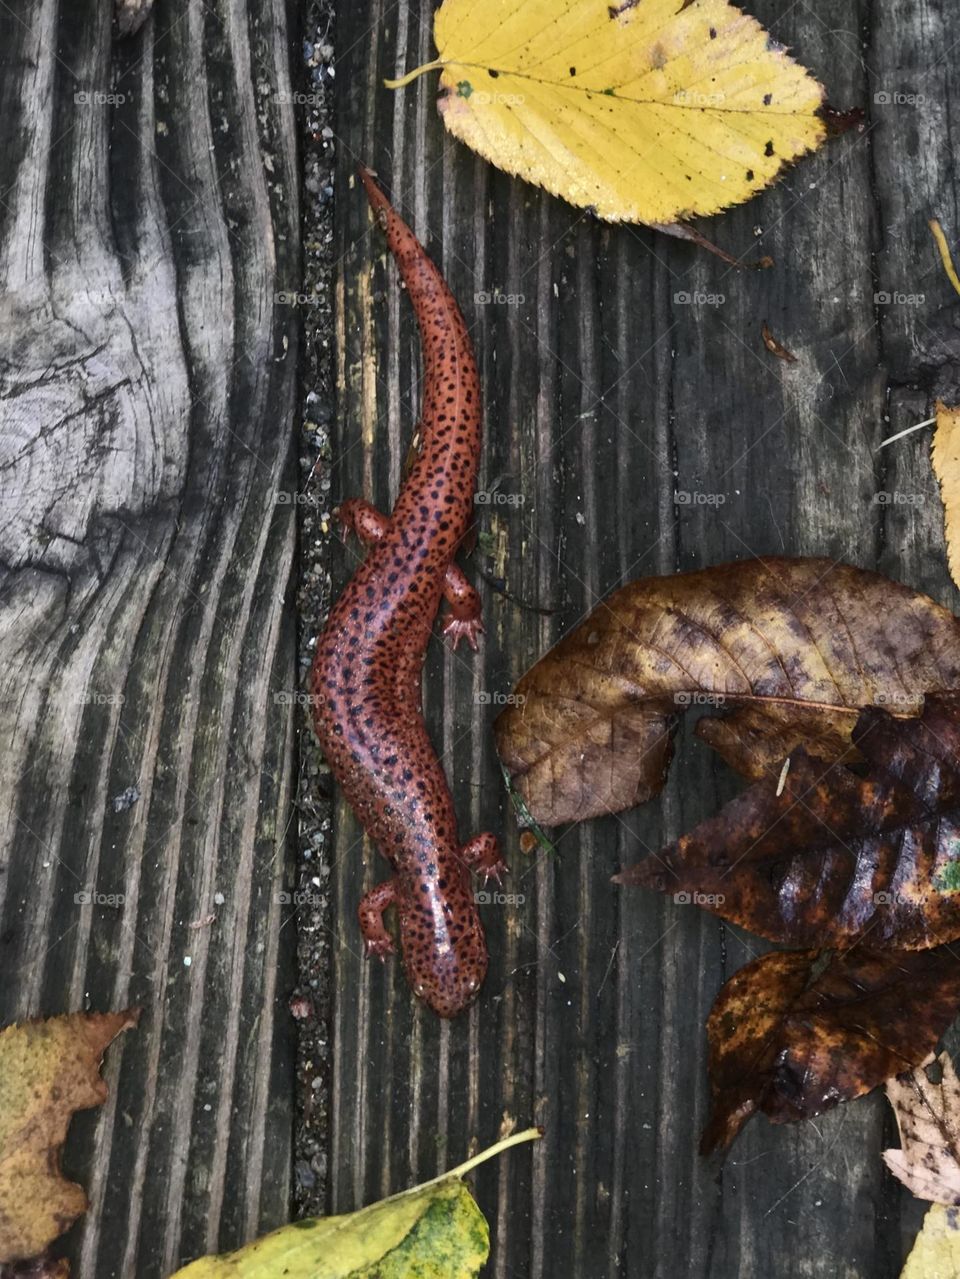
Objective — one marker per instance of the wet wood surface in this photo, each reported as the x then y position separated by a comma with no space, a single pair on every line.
635,425
149,226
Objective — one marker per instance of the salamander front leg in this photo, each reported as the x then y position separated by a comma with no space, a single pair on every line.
358,516
482,854
377,940
464,621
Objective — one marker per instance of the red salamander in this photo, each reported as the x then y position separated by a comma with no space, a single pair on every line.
366,678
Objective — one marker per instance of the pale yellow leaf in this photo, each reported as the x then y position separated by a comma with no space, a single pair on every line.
936,1250
644,112
928,1116
945,452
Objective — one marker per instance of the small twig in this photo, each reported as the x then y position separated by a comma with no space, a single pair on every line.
783,776
909,431
945,256
495,584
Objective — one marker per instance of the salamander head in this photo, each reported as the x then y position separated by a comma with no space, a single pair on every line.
446,971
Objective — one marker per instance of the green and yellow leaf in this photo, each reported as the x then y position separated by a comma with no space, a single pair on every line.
644,112
434,1231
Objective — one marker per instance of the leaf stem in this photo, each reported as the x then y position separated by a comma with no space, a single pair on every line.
528,1134
413,75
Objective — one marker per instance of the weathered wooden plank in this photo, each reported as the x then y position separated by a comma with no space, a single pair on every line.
609,398
149,220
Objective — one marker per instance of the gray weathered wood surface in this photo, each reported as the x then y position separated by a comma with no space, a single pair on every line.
608,397
149,218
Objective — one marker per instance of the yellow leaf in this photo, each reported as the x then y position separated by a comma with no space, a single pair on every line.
434,1231
645,112
936,1250
48,1069
945,453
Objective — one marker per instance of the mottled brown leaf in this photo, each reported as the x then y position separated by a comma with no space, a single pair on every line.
836,857
48,1070
788,650
928,1116
795,1033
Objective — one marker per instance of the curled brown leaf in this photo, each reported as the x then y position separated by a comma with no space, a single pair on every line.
830,857
784,652
795,1033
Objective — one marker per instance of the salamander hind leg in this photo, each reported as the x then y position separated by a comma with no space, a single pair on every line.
376,939
358,516
482,854
464,620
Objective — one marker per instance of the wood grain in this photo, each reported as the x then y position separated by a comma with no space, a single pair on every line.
148,363
608,399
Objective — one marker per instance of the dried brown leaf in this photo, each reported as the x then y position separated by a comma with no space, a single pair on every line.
835,857
795,1033
788,650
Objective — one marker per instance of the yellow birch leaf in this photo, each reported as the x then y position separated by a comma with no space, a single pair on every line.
945,453
644,112
48,1069
434,1231
936,1250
